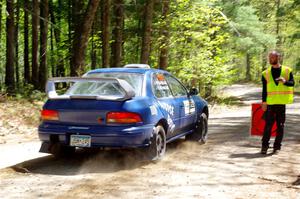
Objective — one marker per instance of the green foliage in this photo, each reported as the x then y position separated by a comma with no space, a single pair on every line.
196,43
28,92
208,40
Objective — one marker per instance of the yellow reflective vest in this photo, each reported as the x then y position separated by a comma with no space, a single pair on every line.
278,94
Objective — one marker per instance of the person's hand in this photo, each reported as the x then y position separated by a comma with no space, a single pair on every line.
281,79
264,106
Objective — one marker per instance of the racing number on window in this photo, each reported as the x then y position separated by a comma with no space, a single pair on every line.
160,86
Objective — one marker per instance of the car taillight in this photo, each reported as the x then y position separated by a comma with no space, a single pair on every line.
123,118
49,115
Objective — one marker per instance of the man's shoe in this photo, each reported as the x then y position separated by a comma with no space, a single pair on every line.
264,150
276,151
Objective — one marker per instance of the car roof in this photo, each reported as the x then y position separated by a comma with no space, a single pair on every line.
127,70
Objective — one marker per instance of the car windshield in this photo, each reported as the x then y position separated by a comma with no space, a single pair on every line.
109,88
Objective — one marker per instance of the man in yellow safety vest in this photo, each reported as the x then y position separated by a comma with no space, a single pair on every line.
278,83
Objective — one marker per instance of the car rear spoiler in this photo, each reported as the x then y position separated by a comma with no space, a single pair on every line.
124,85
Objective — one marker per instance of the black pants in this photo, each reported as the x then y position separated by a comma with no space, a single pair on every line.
274,113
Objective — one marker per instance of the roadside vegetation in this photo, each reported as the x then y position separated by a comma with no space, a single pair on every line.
206,44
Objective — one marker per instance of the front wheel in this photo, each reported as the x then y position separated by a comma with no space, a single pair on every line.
157,147
199,133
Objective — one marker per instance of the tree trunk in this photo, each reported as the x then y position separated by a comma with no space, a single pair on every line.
17,42
81,38
147,29
26,42
93,50
10,50
35,41
164,46
60,63
139,37
1,18
59,68
278,20
52,36
118,33
105,32
248,67
264,59
76,12
70,29
52,53
43,72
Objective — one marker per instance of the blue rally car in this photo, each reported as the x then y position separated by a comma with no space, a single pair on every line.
133,106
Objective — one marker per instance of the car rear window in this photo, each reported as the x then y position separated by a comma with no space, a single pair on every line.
105,88
134,79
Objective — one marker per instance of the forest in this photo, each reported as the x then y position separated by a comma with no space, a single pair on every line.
205,43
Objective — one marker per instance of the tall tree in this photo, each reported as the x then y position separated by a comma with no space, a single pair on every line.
105,32
60,68
93,50
10,50
164,45
118,7
35,41
70,28
147,30
81,36
248,67
278,23
1,17
43,71
17,42
26,43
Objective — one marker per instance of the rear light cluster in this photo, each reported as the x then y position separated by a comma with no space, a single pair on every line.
49,114
111,117
123,118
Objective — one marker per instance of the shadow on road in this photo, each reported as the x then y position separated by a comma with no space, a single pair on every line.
90,161
100,161
249,155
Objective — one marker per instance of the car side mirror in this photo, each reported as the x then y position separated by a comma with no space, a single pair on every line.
194,91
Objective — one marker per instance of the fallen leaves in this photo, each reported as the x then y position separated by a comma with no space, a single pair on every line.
18,120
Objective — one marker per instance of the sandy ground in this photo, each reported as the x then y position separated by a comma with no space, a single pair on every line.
229,165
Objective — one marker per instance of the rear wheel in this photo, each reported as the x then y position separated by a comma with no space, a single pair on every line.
199,133
157,147
59,150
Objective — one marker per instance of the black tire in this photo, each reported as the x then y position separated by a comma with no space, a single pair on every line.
59,150
157,147
199,133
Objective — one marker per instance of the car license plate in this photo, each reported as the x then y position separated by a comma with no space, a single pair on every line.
80,140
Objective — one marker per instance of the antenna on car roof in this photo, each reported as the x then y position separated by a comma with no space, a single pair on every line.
136,66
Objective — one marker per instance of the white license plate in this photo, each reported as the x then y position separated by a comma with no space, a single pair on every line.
80,140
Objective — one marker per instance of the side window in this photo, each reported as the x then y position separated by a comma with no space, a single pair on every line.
160,86
177,88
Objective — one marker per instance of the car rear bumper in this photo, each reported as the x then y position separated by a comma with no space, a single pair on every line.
138,136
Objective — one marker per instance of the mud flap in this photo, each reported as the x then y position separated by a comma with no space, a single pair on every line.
45,147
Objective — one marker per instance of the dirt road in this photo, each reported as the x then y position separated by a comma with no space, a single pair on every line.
229,165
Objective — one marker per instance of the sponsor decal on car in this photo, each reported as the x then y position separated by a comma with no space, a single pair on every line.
167,107
171,124
153,110
189,106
